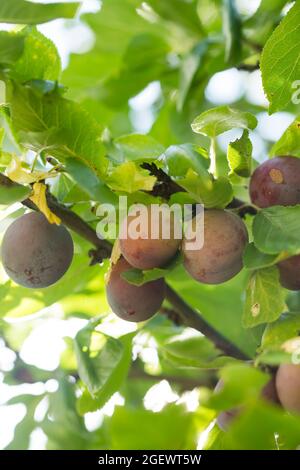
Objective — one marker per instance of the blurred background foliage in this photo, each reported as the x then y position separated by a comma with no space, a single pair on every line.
72,375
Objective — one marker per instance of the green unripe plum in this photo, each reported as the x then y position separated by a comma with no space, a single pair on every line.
289,271
35,253
288,386
220,258
130,302
276,182
145,251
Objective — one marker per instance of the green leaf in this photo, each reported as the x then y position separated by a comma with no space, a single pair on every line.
39,60
113,27
24,429
66,190
280,64
138,277
11,47
138,148
11,192
217,120
265,298
255,259
144,61
277,333
239,155
64,428
180,158
194,351
183,14
232,32
258,425
172,428
97,356
129,178
190,64
289,142
89,182
103,364
268,11
212,193
241,383
276,229
59,127
26,12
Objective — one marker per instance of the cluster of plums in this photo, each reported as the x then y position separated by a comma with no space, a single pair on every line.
275,182
219,259
36,253
283,390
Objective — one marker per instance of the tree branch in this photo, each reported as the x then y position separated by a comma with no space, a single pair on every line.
194,320
164,186
103,250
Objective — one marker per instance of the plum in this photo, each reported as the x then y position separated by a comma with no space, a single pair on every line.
130,302
288,386
276,182
289,271
220,258
35,253
147,252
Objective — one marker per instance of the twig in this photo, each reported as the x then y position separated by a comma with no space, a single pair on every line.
241,208
165,186
194,320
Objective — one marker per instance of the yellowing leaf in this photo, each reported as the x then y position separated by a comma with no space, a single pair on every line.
129,178
40,200
17,173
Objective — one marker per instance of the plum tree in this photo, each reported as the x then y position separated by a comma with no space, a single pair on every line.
36,253
144,251
289,271
220,258
276,182
288,386
130,302
268,393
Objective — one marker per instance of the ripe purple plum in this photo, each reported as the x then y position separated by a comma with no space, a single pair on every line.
142,250
220,258
35,253
130,302
276,182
